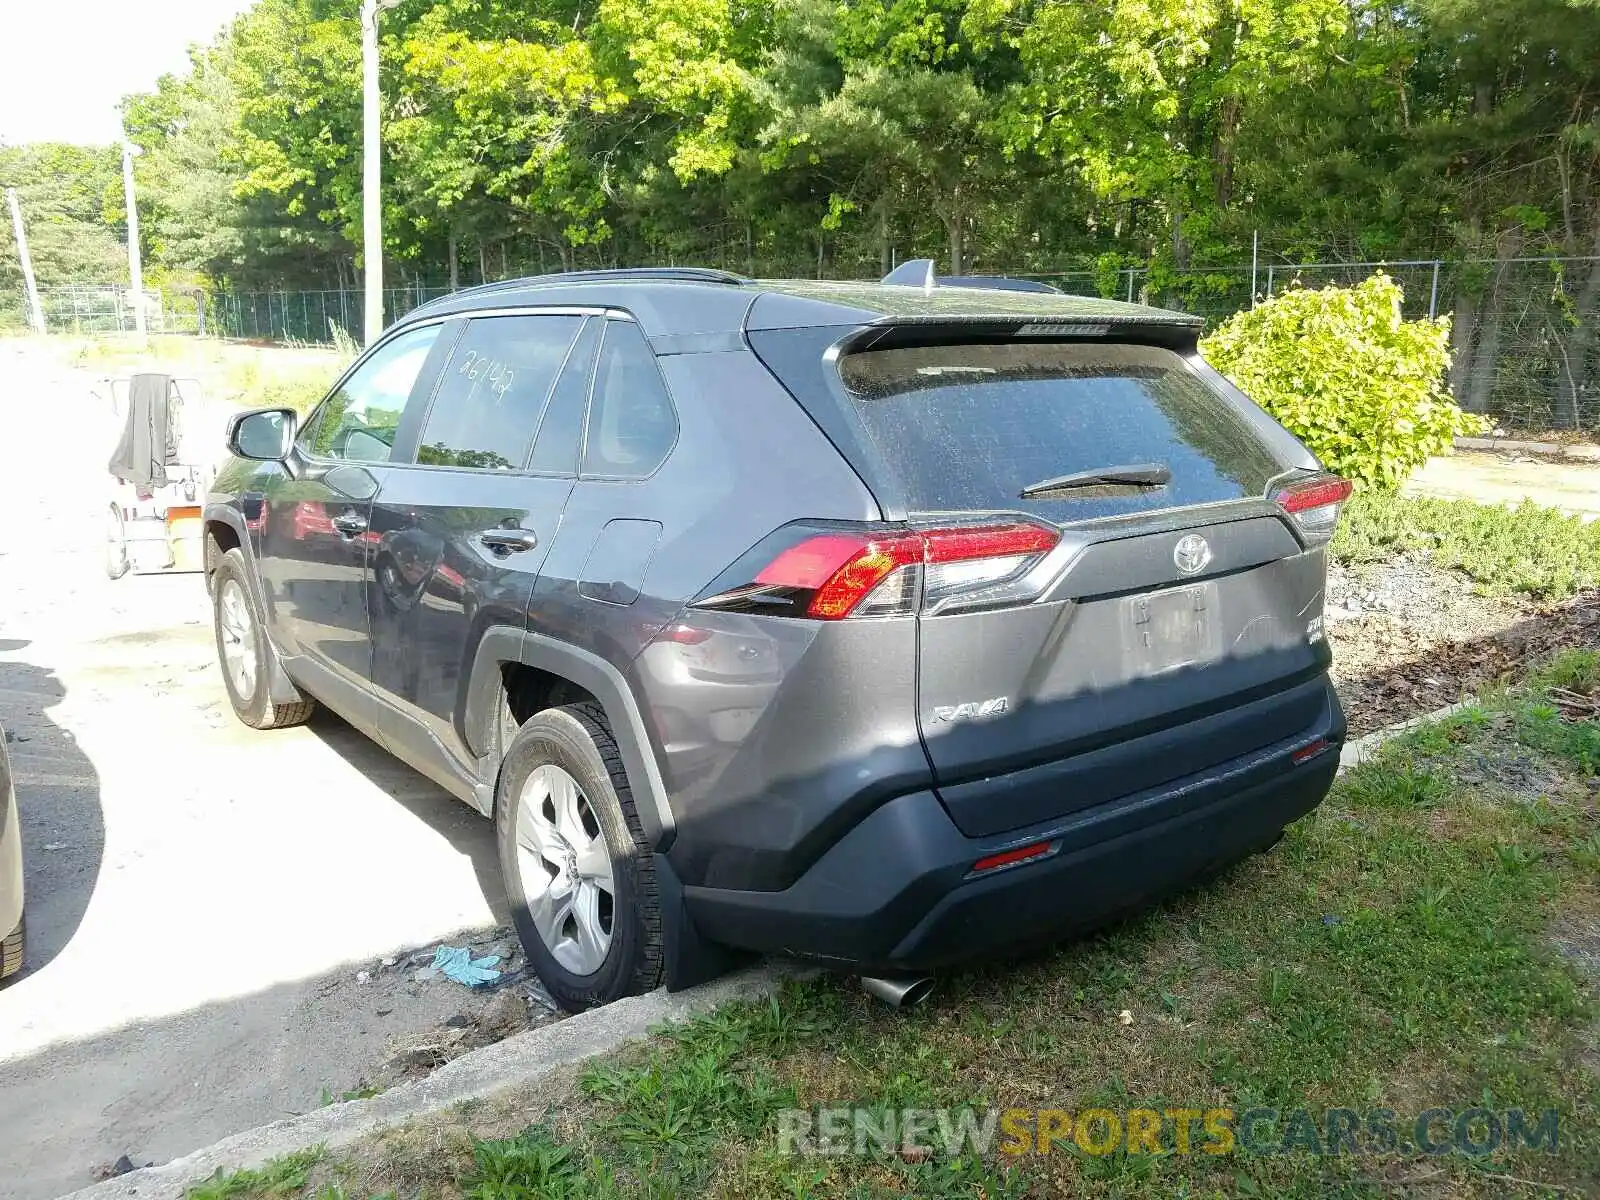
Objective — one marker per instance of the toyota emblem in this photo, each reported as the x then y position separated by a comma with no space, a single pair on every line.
1191,554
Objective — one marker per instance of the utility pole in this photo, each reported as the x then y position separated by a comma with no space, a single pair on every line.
135,271
1255,255
371,170
35,313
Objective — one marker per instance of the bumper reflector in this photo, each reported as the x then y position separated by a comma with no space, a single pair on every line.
1309,751
1008,858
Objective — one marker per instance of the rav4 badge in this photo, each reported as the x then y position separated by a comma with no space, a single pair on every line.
972,710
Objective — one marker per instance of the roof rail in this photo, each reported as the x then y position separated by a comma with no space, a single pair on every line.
918,272
680,274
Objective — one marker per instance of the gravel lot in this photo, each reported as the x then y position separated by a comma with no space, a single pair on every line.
201,897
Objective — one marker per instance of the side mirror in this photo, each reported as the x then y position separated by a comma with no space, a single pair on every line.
262,434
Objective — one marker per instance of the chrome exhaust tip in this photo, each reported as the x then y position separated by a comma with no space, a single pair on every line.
900,991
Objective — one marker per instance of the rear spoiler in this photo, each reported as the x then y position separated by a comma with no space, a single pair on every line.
1178,332
1127,322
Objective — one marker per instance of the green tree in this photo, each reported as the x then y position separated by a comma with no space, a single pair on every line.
888,104
63,193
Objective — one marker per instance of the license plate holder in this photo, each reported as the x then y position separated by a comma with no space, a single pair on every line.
1171,629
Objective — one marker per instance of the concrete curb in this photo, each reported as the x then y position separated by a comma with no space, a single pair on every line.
522,1059
1577,451
1367,746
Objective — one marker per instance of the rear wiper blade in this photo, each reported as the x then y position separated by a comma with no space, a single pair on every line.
1141,475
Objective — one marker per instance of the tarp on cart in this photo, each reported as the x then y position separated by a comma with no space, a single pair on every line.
147,443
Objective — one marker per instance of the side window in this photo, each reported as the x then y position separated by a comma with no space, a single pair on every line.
492,393
357,423
556,447
632,425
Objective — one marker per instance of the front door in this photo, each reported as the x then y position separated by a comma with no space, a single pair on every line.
316,510
459,535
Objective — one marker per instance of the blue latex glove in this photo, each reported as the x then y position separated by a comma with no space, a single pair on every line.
458,964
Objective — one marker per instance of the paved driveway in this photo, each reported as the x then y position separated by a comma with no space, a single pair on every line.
1572,486
200,896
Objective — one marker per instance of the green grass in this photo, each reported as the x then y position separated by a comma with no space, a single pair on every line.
284,1176
530,1164
249,376
1539,552
299,392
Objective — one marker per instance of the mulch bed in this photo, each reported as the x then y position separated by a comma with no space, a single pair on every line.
1408,638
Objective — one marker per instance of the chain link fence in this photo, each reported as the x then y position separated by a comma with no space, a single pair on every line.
308,316
1525,331
110,308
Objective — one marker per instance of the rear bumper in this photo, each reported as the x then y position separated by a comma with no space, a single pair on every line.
896,894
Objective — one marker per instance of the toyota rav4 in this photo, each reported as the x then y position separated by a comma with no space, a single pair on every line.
890,625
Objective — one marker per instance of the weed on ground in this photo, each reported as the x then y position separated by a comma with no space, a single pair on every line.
285,1176
1535,551
230,373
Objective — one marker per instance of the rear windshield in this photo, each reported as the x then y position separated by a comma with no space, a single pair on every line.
972,426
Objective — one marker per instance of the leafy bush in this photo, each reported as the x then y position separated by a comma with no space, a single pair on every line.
1363,388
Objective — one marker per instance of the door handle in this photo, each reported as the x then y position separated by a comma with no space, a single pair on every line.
507,541
350,524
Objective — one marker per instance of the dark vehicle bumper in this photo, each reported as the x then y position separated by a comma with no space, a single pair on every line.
897,893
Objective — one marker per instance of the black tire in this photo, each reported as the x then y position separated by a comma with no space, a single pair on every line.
257,709
576,738
11,951
117,561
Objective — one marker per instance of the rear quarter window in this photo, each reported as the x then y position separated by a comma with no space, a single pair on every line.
969,427
632,424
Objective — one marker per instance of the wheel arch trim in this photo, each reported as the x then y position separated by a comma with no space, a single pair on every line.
503,644
215,513
281,689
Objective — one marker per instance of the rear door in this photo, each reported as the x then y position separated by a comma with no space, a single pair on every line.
461,532
1132,637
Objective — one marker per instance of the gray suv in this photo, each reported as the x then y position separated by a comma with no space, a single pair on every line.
888,625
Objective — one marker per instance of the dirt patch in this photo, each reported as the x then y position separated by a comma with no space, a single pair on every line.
424,1156
1577,937
1409,638
1570,483
513,1004
1522,775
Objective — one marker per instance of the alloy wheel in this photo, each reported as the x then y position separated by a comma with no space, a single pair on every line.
565,869
238,639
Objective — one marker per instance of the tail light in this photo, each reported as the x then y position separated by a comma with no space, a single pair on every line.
1314,502
831,574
